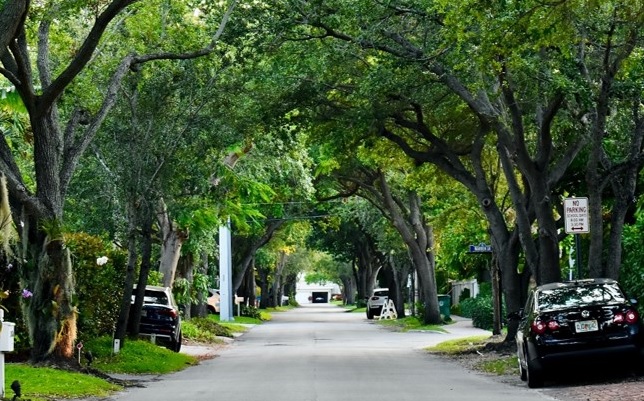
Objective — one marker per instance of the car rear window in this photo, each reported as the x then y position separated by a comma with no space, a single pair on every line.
381,293
155,298
567,297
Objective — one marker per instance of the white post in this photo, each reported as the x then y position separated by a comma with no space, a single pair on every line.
2,375
225,274
1,360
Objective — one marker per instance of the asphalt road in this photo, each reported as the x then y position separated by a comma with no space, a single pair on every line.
320,353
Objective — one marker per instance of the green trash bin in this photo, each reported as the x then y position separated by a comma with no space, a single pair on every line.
444,305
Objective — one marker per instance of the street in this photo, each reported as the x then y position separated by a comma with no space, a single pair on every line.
320,353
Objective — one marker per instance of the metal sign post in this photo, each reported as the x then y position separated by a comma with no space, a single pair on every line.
495,276
225,273
577,222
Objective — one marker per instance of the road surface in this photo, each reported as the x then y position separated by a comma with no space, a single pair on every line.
319,352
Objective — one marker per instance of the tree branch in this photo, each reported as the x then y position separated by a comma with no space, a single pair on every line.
75,151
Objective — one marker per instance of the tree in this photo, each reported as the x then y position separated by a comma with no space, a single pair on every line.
345,234
406,215
445,81
62,131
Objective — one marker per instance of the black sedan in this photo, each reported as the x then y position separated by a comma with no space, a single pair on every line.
572,321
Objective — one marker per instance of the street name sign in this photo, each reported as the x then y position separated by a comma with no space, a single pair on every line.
480,248
576,215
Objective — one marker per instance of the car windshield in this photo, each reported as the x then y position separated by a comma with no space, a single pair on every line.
380,293
567,297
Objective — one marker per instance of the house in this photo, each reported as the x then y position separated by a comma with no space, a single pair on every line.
315,292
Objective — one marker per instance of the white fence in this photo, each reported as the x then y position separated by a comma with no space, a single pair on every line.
459,286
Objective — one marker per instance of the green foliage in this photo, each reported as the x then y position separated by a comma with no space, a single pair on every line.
292,301
181,291
632,272
155,278
99,287
204,329
483,313
480,309
251,311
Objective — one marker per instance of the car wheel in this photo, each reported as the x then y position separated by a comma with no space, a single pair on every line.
534,375
369,314
522,372
177,345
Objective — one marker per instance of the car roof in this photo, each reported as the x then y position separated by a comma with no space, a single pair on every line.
155,288
576,283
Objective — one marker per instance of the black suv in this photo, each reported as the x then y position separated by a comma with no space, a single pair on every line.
160,318
576,321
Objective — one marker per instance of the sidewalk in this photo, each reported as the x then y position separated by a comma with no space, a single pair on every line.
463,327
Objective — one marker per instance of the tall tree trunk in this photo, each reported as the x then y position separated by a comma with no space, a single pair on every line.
49,313
200,309
239,268
398,277
185,269
263,285
146,255
419,239
277,279
624,185
249,295
172,239
126,301
348,290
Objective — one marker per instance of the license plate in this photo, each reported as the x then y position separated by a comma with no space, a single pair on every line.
586,326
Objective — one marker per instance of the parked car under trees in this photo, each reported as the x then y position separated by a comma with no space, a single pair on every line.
160,317
580,322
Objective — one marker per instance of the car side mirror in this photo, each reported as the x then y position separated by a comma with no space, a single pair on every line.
518,315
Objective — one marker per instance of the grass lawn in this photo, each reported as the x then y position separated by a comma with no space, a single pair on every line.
410,323
135,357
45,384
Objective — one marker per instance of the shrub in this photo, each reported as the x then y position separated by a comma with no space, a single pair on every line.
98,285
483,313
204,329
467,306
480,309
250,311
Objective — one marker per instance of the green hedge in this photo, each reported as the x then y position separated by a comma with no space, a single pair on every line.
480,309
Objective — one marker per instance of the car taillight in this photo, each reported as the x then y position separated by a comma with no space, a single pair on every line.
169,312
540,327
630,316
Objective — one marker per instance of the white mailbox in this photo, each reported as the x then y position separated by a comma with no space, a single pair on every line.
6,336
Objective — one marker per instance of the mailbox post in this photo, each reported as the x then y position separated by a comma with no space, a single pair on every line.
6,345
